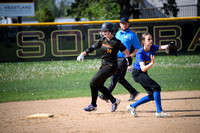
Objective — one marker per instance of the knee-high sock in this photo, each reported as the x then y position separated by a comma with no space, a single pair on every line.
94,93
143,100
157,98
107,93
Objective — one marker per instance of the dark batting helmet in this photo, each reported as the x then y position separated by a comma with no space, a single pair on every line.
107,26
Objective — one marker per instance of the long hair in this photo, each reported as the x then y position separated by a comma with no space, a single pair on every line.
143,37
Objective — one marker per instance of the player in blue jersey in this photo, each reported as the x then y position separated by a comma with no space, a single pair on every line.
144,61
129,39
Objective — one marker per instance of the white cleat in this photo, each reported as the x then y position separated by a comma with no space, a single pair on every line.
162,115
132,111
114,105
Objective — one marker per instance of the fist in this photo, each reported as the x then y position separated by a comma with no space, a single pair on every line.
80,57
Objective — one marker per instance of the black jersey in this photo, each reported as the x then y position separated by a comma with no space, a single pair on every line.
109,48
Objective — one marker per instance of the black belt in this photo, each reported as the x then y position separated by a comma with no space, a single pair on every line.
120,59
108,62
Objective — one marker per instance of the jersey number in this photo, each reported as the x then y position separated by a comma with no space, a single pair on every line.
109,51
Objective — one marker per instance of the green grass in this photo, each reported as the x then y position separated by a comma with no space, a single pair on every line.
63,79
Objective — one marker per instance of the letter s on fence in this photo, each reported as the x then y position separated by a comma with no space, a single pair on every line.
29,47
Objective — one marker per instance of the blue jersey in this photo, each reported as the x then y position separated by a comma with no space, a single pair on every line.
128,38
143,56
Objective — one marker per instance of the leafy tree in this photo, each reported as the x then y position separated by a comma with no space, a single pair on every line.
53,9
170,8
62,7
104,9
127,8
94,10
46,16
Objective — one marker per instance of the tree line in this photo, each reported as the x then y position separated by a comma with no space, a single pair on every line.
94,10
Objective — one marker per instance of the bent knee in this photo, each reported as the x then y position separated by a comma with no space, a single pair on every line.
92,84
156,88
151,97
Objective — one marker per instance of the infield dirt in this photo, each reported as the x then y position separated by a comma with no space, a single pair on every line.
69,116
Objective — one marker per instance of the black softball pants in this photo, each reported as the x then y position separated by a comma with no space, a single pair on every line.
106,70
119,76
148,84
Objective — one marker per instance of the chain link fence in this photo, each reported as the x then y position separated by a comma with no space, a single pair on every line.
158,12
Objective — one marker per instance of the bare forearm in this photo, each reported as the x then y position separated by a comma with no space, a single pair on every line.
144,67
84,53
134,53
163,47
126,52
147,67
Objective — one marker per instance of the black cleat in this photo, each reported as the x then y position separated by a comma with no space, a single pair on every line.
133,96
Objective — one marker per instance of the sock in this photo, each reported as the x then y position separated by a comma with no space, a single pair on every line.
114,101
141,101
157,98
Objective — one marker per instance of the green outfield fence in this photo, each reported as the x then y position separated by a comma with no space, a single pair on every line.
61,41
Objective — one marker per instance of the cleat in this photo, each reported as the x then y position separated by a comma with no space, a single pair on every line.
102,97
133,96
90,108
131,110
162,115
114,105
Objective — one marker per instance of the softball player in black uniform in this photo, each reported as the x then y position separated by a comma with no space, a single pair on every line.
109,47
144,61
129,39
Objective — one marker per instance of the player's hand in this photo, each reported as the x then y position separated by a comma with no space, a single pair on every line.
130,69
152,59
171,49
80,57
129,60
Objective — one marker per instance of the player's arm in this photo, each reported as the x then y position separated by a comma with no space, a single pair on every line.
134,53
144,67
128,57
163,47
136,44
126,52
88,50
84,53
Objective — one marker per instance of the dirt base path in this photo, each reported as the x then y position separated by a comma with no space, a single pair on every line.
69,116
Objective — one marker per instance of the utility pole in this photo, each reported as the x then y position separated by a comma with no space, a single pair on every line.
198,8
19,19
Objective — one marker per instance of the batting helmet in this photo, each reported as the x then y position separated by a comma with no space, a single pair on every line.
107,26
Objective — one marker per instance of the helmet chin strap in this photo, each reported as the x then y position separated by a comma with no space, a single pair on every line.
101,34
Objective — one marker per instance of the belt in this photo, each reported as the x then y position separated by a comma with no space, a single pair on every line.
120,57
108,62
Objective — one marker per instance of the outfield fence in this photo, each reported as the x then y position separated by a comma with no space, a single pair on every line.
62,41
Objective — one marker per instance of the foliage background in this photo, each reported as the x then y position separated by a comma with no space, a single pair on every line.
48,10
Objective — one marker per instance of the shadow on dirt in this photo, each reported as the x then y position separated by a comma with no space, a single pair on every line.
184,98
